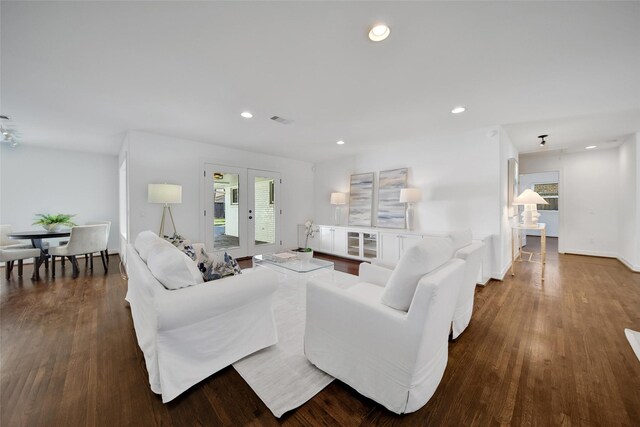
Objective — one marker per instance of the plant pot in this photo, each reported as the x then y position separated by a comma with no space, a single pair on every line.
52,227
303,256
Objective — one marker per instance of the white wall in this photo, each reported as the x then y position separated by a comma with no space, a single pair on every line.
460,177
628,199
589,201
550,218
39,180
507,151
157,158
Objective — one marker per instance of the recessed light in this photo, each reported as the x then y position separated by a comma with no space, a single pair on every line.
341,142
458,110
379,32
246,114
591,147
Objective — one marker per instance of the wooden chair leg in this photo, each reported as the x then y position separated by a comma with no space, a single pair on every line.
106,254
64,261
104,261
86,260
46,263
7,269
19,268
53,266
76,269
36,270
91,262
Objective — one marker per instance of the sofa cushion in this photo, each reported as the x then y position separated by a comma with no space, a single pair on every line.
217,265
420,259
172,268
145,241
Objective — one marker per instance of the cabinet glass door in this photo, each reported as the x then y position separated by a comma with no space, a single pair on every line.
353,243
369,245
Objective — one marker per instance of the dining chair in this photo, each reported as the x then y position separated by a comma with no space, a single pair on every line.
84,239
10,256
104,253
7,243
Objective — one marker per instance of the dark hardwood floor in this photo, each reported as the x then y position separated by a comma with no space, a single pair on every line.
534,354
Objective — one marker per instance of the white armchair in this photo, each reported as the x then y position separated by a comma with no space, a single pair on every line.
394,357
470,251
84,239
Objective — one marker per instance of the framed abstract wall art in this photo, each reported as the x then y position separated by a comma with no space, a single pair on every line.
361,199
391,213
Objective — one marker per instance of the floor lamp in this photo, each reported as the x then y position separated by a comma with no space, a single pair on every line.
409,196
338,199
166,194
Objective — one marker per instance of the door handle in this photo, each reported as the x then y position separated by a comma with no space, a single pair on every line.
250,217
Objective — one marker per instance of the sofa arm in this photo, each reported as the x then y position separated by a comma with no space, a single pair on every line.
181,307
466,251
374,274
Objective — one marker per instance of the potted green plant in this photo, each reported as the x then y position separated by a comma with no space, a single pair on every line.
306,253
54,222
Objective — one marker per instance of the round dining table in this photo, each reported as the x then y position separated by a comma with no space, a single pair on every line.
36,237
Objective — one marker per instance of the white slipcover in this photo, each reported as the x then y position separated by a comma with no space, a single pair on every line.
418,260
188,334
394,357
466,249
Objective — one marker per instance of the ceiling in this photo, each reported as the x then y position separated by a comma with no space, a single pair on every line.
78,75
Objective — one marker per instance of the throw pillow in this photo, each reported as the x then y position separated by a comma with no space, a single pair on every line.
217,266
172,268
422,258
189,251
177,240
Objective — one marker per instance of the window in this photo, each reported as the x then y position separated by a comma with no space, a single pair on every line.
272,192
549,192
234,196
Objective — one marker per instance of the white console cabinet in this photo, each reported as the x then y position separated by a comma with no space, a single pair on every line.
393,245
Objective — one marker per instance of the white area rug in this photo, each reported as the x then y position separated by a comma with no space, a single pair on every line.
634,340
281,375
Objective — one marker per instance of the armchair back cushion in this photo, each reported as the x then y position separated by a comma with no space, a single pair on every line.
429,254
172,267
84,239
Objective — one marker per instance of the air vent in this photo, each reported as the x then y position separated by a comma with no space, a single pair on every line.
280,120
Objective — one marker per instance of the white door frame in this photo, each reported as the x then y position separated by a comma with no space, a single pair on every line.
246,201
210,169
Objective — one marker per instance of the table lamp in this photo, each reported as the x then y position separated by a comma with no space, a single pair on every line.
409,196
530,199
338,199
165,194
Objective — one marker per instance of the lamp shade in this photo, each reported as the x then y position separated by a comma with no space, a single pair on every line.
338,198
529,197
410,195
164,193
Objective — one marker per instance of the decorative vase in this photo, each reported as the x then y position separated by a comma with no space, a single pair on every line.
304,256
52,227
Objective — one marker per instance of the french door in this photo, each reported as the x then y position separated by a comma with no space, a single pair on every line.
242,214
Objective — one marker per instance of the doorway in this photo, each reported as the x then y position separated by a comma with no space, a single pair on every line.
242,213
547,184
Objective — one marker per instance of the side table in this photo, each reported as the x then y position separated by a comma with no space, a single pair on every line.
517,230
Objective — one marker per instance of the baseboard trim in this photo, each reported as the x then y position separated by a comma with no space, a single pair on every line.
590,253
629,265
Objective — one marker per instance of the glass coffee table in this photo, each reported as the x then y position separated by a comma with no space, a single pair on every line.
293,266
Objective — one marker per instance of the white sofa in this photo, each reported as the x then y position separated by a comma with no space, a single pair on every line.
395,357
470,251
188,334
